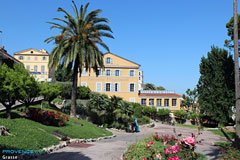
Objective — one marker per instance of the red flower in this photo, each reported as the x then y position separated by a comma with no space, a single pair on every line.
58,112
61,124
150,142
144,158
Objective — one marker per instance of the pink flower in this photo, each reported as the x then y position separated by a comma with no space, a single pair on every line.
174,158
148,145
164,143
144,158
158,156
150,142
172,149
189,141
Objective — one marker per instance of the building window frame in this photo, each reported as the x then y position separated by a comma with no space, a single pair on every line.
99,87
108,87
108,72
151,102
174,102
35,68
108,60
143,101
159,102
117,73
21,57
132,87
44,58
132,73
166,102
84,84
36,58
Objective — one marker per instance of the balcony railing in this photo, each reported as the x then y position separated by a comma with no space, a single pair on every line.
156,92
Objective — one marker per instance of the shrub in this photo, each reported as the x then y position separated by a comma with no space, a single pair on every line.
138,110
49,91
153,112
163,114
57,100
180,116
147,111
50,118
66,89
163,147
83,92
143,120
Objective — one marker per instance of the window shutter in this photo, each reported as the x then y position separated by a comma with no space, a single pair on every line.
135,87
128,87
120,73
112,87
110,60
134,73
110,72
129,73
118,87
105,87
105,60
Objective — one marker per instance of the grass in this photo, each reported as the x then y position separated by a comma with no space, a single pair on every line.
187,126
28,134
228,151
222,133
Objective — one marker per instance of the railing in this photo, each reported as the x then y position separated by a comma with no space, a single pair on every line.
156,92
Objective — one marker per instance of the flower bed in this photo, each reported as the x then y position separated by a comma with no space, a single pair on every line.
163,147
50,118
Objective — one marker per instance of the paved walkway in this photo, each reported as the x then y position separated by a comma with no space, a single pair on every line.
112,149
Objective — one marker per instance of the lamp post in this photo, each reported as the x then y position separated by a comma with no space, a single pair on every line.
236,70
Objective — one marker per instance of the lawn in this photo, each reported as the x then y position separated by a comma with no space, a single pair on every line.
187,126
222,133
28,134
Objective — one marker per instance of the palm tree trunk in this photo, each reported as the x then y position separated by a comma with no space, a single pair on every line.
74,90
236,69
8,112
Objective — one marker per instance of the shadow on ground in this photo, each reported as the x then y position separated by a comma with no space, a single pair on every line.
212,154
64,156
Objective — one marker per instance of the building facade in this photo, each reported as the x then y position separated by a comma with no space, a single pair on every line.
7,59
160,99
119,78
36,62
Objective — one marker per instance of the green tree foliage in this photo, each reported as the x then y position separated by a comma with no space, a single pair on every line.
190,100
27,87
77,44
180,114
63,74
160,88
66,89
230,29
84,92
216,85
113,112
163,114
49,91
8,88
149,86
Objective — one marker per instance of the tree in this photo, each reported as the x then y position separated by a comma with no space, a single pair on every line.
27,87
230,32
49,91
8,88
62,75
149,86
77,44
189,100
216,85
160,88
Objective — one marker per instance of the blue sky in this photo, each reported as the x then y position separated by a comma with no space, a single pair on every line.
168,38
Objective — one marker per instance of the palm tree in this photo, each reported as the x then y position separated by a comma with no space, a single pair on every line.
77,46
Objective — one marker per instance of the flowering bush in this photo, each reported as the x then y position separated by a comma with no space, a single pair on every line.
51,118
162,147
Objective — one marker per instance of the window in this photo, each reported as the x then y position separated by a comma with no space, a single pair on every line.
20,57
108,87
116,87
132,99
84,84
143,102
28,67
28,58
99,87
151,102
31,52
35,68
131,73
117,73
108,72
35,58
42,68
159,102
84,72
132,87
44,58
108,60
166,102
42,78
174,102
99,72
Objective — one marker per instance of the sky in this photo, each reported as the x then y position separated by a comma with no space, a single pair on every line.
167,38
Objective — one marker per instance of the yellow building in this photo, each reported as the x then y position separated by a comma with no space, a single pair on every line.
120,77
36,62
160,99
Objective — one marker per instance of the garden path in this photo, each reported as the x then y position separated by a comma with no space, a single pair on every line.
112,149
